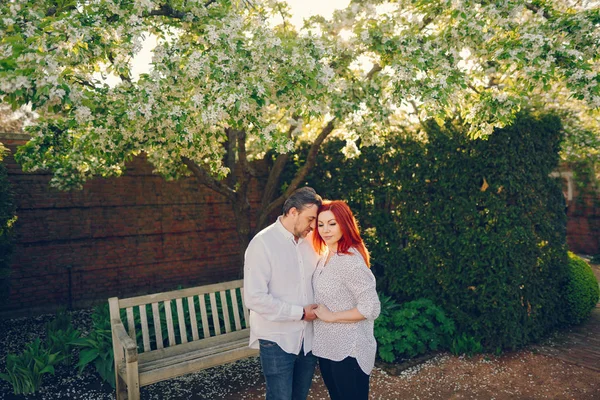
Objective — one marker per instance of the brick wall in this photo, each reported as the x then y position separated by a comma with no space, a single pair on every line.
117,237
583,225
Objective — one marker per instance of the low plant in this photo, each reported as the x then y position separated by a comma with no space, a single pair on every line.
581,291
465,344
26,370
60,335
388,305
96,347
413,329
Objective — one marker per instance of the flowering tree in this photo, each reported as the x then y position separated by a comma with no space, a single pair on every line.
230,81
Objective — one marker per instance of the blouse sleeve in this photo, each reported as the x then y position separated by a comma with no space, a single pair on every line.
360,281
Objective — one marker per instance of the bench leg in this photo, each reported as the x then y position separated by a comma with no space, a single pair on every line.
133,382
121,387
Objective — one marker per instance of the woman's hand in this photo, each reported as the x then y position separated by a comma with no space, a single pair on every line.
324,314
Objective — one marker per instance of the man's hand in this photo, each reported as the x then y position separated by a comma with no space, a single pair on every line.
309,312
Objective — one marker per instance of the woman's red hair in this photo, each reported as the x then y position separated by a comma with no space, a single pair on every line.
350,233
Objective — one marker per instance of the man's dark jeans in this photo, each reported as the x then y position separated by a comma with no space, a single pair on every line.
288,376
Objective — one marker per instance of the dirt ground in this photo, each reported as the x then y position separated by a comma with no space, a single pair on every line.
522,375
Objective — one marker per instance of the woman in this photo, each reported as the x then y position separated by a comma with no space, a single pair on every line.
348,304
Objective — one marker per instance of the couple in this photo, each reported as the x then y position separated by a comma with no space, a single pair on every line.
293,277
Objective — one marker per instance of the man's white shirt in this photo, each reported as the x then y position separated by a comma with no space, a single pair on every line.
277,285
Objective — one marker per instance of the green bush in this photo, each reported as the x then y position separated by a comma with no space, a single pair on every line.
25,371
475,225
415,328
465,344
581,291
60,335
96,347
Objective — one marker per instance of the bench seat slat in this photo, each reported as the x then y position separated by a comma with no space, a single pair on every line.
144,322
215,314
180,317
195,291
170,330
184,348
157,327
245,310
204,315
193,321
236,310
186,367
165,362
225,306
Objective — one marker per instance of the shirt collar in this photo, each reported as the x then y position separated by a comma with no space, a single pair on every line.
287,234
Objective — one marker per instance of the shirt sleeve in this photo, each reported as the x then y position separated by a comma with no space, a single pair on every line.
257,276
361,283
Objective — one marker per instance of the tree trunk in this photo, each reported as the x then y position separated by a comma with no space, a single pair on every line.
241,211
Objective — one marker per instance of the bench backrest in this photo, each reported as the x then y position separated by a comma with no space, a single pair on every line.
167,319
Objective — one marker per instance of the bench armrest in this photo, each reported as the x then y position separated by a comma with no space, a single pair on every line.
124,341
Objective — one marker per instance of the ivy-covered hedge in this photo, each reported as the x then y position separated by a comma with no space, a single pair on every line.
581,291
476,226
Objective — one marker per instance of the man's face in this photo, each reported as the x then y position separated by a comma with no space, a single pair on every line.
305,220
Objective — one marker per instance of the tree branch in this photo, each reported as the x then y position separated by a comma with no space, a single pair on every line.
207,180
125,78
301,174
534,8
376,68
84,82
273,180
473,88
243,162
417,111
166,10
242,156
230,158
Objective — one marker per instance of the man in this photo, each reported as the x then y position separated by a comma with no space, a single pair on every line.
278,271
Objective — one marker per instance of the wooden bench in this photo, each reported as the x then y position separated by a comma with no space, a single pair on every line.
160,347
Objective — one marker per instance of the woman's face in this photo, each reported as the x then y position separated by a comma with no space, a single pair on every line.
329,229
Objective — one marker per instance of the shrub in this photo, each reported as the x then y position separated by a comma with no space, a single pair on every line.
25,371
416,328
465,344
60,335
476,225
581,291
96,347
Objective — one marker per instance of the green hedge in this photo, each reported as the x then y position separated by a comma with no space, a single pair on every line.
581,291
476,226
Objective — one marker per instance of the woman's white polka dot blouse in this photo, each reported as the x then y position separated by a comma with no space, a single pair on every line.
343,284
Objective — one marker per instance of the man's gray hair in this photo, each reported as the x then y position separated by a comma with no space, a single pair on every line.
301,198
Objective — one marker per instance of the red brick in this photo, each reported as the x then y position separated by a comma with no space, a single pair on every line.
120,236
